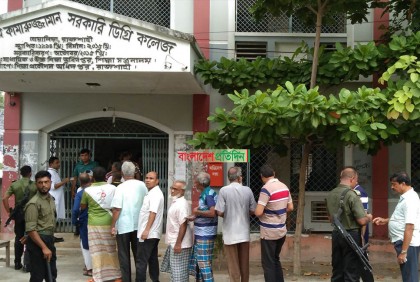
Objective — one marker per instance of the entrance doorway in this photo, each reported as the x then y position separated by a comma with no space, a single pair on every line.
107,138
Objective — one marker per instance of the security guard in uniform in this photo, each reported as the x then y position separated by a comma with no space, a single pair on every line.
345,262
20,188
40,223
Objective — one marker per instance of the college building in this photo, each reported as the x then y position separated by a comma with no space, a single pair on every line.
114,76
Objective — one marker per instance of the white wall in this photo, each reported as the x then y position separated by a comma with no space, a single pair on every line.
182,15
39,110
3,6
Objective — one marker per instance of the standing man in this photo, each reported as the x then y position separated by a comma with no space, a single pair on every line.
366,275
150,230
205,229
404,227
126,205
235,204
102,246
40,225
345,262
80,219
23,189
274,202
178,235
83,165
57,190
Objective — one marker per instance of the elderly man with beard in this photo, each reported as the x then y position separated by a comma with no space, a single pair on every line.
178,235
40,223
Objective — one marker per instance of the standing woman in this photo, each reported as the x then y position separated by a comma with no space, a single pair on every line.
102,245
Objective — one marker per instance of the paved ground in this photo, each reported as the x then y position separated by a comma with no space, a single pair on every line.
70,264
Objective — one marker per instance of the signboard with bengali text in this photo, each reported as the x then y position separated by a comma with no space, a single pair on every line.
222,155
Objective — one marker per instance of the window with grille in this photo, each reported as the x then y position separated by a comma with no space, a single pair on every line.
251,50
319,211
246,23
153,11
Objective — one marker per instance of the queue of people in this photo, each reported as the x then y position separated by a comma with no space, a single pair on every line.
117,223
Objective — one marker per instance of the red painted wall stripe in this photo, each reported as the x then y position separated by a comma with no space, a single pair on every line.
13,5
11,146
380,161
202,25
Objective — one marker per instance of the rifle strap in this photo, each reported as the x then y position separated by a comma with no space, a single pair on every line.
340,208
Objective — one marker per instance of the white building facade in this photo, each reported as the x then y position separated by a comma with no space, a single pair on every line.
116,76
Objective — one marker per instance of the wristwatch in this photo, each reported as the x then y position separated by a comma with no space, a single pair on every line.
403,251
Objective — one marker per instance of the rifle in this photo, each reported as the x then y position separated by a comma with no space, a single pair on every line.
19,207
360,251
49,273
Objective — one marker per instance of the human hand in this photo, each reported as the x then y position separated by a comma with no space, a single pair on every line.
145,234
177,248
379,221
402,258
23,240
113,231
66,180
47,254
190,217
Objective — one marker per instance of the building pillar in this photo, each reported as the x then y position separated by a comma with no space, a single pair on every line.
201,110
202,25
380,161
380,185
11,144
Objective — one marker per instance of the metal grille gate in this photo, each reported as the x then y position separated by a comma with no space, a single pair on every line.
283,23
152,11
323,172
66,143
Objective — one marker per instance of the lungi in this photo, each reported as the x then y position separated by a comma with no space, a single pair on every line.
201,260
103,250
176,264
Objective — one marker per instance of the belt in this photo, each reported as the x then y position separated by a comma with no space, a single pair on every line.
45,232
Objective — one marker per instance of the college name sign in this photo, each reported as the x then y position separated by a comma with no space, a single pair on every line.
224,156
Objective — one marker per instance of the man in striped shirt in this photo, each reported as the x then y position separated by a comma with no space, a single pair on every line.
273,204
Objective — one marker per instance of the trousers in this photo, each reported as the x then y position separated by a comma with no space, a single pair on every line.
410,269
270,259
346,264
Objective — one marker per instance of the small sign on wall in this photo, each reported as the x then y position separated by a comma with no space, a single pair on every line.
216,174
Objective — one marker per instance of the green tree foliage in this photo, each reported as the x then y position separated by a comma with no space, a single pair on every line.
344,64
366,118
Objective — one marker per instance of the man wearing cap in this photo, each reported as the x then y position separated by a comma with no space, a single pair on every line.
178,235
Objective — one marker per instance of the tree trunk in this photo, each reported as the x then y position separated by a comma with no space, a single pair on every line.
300,209
319,16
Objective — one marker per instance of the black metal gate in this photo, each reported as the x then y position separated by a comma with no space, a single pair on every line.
107,138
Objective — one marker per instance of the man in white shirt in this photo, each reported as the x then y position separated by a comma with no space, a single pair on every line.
150,230
235,204
178,235
404,227
126,204
57,190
